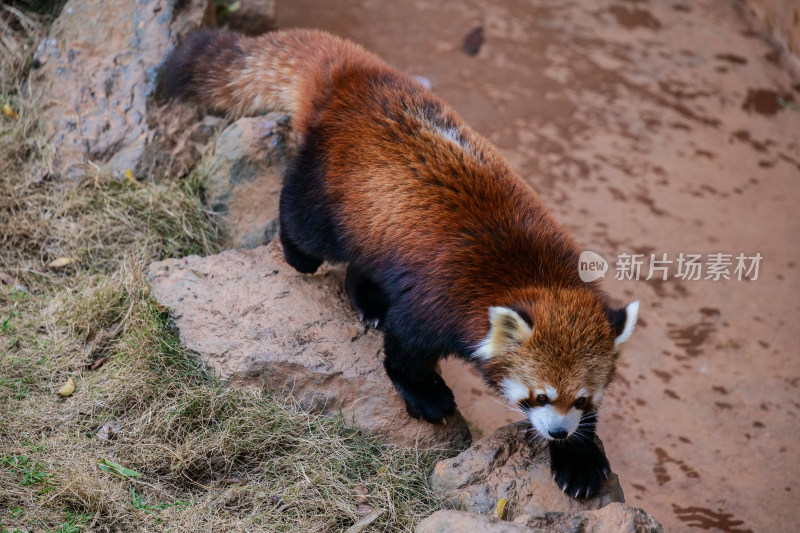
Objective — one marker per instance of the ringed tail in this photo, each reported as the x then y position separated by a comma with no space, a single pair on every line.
245,76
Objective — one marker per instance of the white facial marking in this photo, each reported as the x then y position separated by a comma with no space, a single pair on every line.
514,391
598,396
631,314
545,419
581,394
551,391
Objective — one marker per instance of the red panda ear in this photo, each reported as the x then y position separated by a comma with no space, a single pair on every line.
507,330
623,321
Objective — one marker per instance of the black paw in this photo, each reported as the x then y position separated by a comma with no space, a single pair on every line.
579,469
301,262
433,402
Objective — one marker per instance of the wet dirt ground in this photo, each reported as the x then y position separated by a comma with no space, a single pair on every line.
648,128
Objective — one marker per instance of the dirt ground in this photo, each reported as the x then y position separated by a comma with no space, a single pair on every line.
648,128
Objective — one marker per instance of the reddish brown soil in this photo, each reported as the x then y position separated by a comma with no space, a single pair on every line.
647,127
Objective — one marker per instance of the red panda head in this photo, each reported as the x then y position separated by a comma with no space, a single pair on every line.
553,353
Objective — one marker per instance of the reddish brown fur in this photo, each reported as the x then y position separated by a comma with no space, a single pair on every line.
477,211
436,228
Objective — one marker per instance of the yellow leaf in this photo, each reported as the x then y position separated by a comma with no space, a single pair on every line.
61,262
67,389
502,508
129,175
10,113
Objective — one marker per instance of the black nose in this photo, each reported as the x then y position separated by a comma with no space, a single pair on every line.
558,434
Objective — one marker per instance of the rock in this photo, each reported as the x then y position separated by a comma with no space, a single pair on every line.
95,74
243,181
253,319
508,465
449,521
613,518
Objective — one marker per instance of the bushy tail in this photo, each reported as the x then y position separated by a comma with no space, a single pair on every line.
279,71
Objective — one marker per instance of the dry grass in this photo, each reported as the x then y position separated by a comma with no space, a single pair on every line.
211,457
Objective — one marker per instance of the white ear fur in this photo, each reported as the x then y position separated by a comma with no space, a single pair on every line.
507,330
631,315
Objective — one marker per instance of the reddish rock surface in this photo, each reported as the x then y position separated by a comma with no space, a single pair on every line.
96,75
255,321
508,465
613,518
243,178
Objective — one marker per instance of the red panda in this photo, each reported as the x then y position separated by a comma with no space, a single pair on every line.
448,250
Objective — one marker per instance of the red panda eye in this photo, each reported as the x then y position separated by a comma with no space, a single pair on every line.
542,399
580,403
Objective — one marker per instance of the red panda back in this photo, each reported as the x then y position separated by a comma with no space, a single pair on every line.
414,193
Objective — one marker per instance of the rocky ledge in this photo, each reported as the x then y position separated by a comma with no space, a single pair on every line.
256,322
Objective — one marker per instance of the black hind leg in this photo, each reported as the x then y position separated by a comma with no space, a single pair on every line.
301,261
414,376
367,297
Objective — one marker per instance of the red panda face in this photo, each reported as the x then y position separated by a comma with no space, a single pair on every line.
554,366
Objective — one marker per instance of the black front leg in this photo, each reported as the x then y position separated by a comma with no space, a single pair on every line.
414,376
367,297
301,261
578,465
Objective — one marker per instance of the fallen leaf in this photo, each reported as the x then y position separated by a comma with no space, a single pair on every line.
361,493
6,278
107,465
10,113
365,509
67,389
61,262
501,510
362,524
